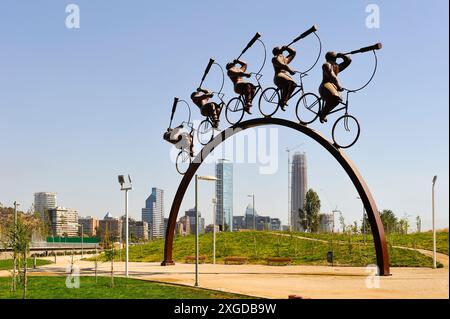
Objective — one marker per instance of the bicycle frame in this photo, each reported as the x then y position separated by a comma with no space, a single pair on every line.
345,107
298,87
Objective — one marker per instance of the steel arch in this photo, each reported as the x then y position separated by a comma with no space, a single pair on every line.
381,250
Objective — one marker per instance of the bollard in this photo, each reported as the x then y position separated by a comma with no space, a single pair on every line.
34,262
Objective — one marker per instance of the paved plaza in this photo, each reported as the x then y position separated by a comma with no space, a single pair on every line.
281,281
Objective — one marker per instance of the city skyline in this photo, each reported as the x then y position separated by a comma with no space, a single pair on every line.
72,80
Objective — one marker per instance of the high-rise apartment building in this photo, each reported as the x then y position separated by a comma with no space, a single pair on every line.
153,213
90,226
299,187
63,222
110,228
43,201
224,195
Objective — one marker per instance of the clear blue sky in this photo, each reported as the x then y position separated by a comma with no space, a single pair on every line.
79,107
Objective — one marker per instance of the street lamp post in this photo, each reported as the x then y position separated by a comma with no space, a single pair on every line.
433,220
16,204
214,201
197,178
126,189
254,220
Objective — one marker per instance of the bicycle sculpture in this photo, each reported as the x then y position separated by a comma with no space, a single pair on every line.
212,110
274,98
181,139
346,128
247,91
309,107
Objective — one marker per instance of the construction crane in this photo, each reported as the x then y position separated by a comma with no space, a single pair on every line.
289,150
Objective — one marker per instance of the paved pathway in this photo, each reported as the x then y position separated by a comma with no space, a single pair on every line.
281,281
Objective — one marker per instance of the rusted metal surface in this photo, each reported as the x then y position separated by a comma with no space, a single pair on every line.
381,250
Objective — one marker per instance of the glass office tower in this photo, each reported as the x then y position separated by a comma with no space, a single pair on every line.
224,195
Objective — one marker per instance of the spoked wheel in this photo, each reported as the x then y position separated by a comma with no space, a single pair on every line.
346,131
183,161
269,102
205,132
234,111
308,108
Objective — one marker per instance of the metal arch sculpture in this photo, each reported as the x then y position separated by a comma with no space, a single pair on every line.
381,250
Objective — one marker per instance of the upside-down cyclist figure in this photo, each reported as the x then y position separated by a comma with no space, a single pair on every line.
330,87
200,97
246,89
182,140
282,80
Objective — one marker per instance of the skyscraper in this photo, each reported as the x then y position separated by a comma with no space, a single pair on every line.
153,213
299,187
43,201
224,195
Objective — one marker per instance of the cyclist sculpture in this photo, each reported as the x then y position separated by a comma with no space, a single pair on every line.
282,80
246,89
346,129
330,87
201,98
273,98
182,139
309,107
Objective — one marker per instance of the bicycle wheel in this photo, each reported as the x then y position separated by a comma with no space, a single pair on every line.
183,161
307,109
234,111
205,132
269,102
345,131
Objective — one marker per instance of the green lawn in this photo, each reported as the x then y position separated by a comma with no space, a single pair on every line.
258,246
7,264
55,288
420,240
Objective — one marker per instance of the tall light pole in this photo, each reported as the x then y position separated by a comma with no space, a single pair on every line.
214,201
254,221
197,178
433,220
16,204
126,189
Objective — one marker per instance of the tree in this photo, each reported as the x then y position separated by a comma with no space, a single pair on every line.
309,215
389,220
19,239
110,253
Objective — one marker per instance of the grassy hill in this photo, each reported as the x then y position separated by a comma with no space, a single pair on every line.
258,246
422,240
